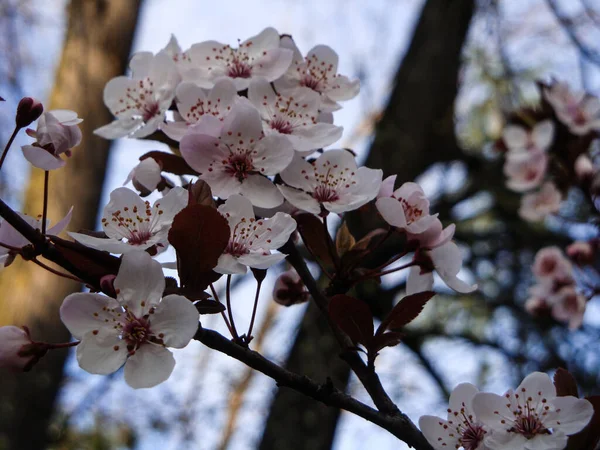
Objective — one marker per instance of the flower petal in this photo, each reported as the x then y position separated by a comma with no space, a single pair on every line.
101,356
82,313
140,282
150,365
177,318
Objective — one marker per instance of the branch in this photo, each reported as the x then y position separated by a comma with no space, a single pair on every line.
397,424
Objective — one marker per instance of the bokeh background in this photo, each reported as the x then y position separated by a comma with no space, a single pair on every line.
436,78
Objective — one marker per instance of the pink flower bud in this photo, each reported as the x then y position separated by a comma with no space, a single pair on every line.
289,289
15,349
28,111
584,168
581,253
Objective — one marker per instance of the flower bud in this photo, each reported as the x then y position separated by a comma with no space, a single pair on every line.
289,289
17,351
582,253
28,111
584,168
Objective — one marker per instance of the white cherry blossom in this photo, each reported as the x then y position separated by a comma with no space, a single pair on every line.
135,329
317,71
333,182
461,428
537,205
407,208
193,103
233,157
525,171
578,110
295,115
131,224
446,260
145,176
551,263
532,417
56,134
139,103
568,306
519,139
252,239
259,56
181,58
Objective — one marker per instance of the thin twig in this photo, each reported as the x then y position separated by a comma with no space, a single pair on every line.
234,332
225,319
45,207
56,272
249,334
8,144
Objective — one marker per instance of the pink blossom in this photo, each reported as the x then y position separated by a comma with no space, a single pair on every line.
569,306
520,140
317,71
332,182
259,56
550,263
525,171
537,205
578,110
233,157
581,252
56,134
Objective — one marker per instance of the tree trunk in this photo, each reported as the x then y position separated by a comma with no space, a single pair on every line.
96,49
416,130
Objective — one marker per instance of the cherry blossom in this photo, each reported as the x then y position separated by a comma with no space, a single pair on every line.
193,103
128,217
532,417
568,306
259,56
519,139
582,252
331,183
317,71
550,263
525,171
135,329
182,59
139,103
145,176
537,205
252,239
461,429
295,115
11,237
446,260
233,157
578,110
289,289
56,134
13,340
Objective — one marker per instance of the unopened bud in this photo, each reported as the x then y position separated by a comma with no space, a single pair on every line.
17,351
289,289
582,253
584,168
28,111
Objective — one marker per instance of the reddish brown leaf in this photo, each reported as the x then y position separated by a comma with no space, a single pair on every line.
209,307
405,311
362,248
170,163
344,240
589,437
200,194
565,383
199,234
380,341
313,234
353,316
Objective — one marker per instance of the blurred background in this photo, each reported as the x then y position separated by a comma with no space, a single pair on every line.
436,77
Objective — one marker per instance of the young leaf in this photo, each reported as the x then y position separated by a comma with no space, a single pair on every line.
209,307
344,240
200,194
313,235
199,234
405,311
380,341
589,437
353,316
170,163
565,383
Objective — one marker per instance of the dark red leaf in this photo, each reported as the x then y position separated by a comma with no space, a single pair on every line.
353,316
209,307
389,339
405,311
200,194
565,383
199,234
170,163
361,249
313,234
589,437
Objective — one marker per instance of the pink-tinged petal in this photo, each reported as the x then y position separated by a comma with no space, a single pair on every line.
101,356
462,396
392,211
499,440
61,224
417,281
299,174
108,244
328,105
261,192
274,232
241,124
515,137
140,282
447,260
492,410
300,199
149,366
261,261
316,136
114,91
272,65
224,185
235,209
273,154
84,312
42,159
147,173
118,128
148,128
343,89
387,187
12,339
201,151
227,264
288,42
165,209
575,414
175,130
177,319
543,134
437,432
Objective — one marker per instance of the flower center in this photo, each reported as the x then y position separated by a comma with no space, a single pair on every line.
324,193
136,331
281,125
471,437
239,69
139,237
239,166
150,110
411,212
236,249
529,426
310,82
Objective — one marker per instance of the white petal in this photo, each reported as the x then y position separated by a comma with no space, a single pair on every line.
261,192
417,281
108,244
228,264
462,394
261,261
175,130
177,318
235,208
515,137
542,134
85,312
149,366
118,128
317,136
61,224
574,414
437,432
273,154
392,211
274,232
42,159
101,356
140,282
299,174
242,123
491,409
300,199
272,65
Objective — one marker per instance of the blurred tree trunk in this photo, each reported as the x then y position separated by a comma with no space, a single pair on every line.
96,49
416,130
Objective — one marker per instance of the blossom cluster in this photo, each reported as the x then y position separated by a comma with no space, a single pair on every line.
531,417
